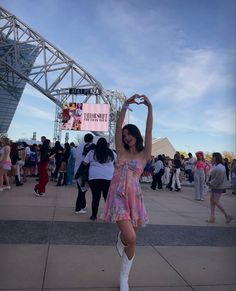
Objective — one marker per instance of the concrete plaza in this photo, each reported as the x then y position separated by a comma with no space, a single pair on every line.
44,245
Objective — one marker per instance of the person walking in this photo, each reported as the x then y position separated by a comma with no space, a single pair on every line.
176,173
101,167
217,183
80,153
125,204
57,151
158,173
40,188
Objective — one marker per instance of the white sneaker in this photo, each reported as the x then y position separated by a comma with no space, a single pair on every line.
39,194
82,211
7,187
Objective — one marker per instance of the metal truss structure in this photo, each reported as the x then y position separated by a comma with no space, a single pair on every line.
53,73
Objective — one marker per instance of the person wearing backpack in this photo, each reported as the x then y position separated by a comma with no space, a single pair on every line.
80,153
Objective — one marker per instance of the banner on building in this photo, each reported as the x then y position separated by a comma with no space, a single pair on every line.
86,116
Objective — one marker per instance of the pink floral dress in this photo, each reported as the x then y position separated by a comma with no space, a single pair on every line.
125,199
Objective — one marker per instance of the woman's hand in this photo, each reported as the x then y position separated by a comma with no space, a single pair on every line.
132,99
138,99
144,100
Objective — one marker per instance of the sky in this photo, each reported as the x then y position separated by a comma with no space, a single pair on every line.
180,53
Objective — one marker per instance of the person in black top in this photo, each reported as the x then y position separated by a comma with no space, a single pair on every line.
80,153
63,165
176,166
57,150
226,164
40,188
14,155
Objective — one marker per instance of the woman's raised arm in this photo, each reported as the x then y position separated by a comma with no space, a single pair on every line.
118,134
149,124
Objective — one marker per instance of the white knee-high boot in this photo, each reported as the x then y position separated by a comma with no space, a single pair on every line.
126,265
119,245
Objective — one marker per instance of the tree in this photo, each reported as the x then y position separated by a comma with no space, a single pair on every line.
208,156
228,155
183,153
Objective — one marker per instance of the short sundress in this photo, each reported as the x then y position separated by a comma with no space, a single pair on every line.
125,199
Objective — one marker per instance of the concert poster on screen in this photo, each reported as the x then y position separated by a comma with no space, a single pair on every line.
85,117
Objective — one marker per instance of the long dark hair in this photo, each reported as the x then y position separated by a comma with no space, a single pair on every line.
14,148
57,144
218,158
135,132
102,153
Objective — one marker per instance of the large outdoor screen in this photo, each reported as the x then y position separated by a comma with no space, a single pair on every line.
85,116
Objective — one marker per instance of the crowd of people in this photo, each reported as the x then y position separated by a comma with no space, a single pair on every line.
22,161
19,161
163,171
116,175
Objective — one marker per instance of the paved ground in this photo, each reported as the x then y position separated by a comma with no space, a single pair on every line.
45,246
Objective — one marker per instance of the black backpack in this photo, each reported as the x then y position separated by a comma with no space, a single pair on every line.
87,148
83,169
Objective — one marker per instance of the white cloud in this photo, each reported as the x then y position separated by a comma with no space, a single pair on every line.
194,74
31,92
214,121
30,110
221,120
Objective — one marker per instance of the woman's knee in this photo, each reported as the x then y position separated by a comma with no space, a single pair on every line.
130,238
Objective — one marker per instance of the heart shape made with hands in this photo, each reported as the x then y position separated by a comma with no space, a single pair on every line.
139,100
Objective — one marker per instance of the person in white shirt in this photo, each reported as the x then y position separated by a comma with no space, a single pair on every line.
158,173
188,167
80,153
101,167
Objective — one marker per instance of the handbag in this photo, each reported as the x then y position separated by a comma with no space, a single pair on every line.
82,172
161,172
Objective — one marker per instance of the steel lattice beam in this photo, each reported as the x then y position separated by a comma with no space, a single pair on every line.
53,72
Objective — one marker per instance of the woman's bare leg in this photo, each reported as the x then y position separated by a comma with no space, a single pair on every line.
217,203
128,237
6,178
1,177
212,217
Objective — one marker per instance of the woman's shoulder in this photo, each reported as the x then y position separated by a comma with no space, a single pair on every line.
220,167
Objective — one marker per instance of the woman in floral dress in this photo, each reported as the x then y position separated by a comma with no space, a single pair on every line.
124,204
